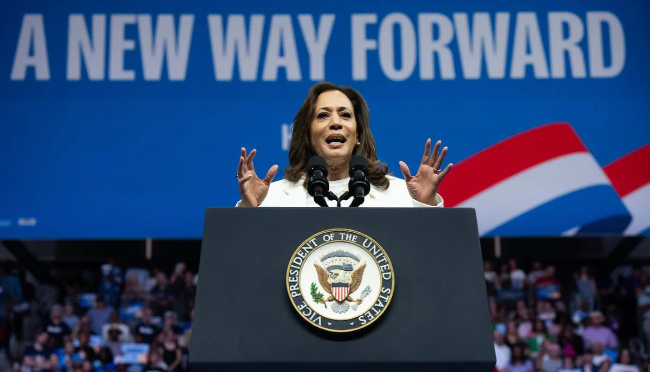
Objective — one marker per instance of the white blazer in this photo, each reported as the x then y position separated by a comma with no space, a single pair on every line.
283,193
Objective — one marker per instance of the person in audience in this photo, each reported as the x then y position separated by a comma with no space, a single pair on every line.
643,307
85,351
537,337
539,365
161,296
605,366
625,363
153,279
83,327
605,287
598,354
490,275
525,316
171,352
68,357
572,344
105,358
57,328
545,311
588,363
87,366
114,343
553,360
155,362
583,312
39,357
176,279
586,285
99,315
170,323
519,362
110,290
111,268
632,282
597,332
69,317
512,336
134,293
568,365
517,275
146,329
185,293
548,288
536,272
502,351
114,323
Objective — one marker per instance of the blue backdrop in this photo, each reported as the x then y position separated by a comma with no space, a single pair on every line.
106,133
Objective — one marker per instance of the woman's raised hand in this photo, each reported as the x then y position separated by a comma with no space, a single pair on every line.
253,190
423,187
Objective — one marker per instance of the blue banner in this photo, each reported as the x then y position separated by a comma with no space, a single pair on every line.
125,119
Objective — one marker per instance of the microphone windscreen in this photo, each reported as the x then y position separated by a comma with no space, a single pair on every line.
358,162
316,162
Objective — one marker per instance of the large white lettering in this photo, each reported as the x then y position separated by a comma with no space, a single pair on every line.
316,44
32,34
483,40
395,46
175,51
119,45
361,44
281,38
81,47
440,46
236,42
597,66
560,44
387,50
527,36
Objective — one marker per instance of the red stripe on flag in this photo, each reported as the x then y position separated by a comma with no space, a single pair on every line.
630,172
507,158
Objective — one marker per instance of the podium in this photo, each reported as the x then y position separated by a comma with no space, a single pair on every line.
412,276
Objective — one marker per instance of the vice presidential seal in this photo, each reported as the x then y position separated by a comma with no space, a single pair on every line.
340,280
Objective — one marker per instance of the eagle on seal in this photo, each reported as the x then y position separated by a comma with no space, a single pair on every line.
340,275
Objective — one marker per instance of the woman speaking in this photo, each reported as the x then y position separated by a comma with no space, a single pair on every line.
334,123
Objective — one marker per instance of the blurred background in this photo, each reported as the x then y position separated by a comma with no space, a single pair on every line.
120,122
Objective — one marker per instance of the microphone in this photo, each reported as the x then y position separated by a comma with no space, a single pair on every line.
317,184
359,185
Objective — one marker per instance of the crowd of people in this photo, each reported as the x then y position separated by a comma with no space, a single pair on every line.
137,321
141,321
591,323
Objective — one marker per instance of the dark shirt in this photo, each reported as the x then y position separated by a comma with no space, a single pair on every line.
57,332
148,332
32,353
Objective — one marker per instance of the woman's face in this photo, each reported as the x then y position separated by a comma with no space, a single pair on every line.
334,127
625,356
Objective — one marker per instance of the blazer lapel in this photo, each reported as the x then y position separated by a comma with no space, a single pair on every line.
295,195
375,198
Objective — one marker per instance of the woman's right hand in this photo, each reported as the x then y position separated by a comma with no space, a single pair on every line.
253,190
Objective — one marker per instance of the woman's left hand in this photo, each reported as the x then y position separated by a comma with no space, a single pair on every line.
423,187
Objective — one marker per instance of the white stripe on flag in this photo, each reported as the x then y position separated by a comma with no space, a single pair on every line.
638,203
533,187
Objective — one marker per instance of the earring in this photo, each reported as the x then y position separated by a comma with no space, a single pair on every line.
358,143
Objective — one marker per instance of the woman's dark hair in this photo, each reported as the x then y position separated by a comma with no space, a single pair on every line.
301,149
